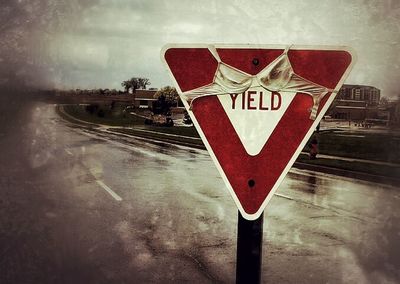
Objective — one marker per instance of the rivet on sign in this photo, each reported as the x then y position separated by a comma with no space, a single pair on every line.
256,61
251,183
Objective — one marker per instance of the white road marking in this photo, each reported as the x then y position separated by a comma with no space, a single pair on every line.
120,144
69,152
284,196
109,190
160,133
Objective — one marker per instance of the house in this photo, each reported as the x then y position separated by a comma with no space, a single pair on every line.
144,98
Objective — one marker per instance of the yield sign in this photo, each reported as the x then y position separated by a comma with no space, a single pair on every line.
255,107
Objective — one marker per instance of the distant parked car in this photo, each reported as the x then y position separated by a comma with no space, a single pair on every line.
159,120
187,119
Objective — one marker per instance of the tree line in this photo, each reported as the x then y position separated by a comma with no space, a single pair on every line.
167,96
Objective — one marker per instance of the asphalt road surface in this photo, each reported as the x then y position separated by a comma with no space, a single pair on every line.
82,207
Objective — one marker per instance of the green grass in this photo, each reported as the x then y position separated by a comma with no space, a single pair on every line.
372,146
118,118
159,136
380,170
184,131
114,117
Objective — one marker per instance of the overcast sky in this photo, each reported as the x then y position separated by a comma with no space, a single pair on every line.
100,43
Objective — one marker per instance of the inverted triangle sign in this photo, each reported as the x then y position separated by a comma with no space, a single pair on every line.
255,107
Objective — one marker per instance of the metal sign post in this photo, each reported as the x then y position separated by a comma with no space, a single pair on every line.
249,250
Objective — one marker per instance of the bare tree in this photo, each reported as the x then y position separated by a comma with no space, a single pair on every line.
135,83
384,101
143,83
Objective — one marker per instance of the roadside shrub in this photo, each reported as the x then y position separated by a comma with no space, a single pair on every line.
91,108
101,113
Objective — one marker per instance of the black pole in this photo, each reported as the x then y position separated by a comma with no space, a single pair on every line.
249,250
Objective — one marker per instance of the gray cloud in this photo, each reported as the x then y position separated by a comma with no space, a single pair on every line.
100,43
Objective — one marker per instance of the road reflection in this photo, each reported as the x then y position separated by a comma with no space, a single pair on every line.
312,182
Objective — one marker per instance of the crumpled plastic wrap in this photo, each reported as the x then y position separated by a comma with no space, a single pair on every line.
278,76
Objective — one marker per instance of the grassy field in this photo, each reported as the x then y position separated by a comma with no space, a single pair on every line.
103,114
182,130
363,145
148,133
117,117
368,168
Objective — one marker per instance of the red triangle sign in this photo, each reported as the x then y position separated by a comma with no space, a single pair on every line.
255,107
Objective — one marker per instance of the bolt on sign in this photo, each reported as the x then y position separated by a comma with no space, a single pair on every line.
255,107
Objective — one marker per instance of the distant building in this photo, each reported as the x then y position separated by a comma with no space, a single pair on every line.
396,113
356,102
348,110
144,98
368,94
390,112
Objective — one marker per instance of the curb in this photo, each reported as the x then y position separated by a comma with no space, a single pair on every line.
155,140
60,111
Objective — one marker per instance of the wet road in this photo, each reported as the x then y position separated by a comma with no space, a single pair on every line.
81,207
